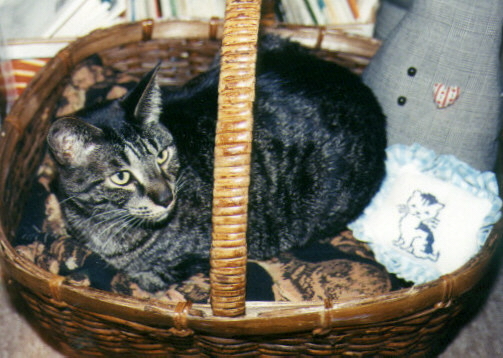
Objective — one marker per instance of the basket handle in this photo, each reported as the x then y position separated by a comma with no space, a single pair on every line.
236,94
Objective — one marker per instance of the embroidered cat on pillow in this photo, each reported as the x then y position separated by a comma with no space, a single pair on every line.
420,217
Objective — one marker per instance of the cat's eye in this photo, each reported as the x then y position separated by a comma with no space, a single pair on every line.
162,157
121,178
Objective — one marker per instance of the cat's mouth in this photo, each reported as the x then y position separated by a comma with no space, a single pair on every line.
154,215
164,215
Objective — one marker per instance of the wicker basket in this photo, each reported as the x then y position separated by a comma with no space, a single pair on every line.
89,322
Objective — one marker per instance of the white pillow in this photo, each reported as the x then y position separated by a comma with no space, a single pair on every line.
431,215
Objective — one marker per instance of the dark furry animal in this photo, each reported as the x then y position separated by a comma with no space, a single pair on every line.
135,174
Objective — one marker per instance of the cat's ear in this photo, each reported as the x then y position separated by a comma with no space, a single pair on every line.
72,140
145,100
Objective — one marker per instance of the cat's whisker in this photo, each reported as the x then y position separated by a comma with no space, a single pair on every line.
116,221
129,224
108,237
108,216
105,226
122,232
180,184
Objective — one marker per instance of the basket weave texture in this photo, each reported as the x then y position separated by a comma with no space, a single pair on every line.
89,322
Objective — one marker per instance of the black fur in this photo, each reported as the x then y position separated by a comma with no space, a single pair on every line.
318,158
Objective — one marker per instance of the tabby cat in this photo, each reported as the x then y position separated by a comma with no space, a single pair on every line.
135,174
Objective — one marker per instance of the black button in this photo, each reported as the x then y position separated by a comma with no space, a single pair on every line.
411,71
402,100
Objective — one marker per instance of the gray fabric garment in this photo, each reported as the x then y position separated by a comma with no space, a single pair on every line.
451,42
405,4
390,13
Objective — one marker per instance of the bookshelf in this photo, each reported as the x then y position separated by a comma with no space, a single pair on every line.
32,31
50,19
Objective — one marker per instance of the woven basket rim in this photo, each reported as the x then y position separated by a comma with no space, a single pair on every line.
261,317
265,316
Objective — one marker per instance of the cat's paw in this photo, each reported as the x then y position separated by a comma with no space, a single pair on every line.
432,223
434,256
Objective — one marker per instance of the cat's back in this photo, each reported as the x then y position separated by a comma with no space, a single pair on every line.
318,149
300,92
294,88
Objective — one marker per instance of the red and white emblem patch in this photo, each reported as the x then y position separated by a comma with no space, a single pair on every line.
445,96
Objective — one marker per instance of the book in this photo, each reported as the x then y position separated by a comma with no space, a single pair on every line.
327,12
79,17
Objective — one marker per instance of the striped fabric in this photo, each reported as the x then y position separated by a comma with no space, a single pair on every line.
14,77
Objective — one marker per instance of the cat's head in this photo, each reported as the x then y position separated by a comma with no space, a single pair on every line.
424,206
118,158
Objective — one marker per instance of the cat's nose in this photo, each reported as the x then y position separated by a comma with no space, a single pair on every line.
161,194
163,198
